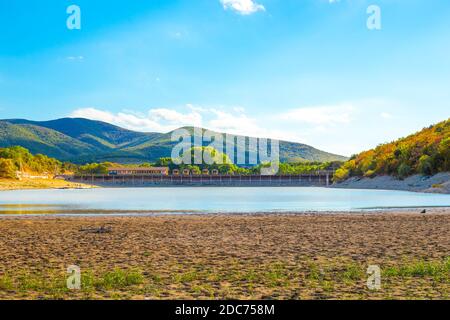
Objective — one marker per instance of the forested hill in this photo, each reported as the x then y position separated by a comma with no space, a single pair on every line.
81,141
426,152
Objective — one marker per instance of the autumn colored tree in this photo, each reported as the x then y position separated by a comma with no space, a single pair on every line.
426,152
7,169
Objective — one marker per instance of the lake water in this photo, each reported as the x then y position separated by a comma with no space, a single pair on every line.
204,200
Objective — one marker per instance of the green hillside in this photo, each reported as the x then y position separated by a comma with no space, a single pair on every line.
102,134
42,140
82,140
289,151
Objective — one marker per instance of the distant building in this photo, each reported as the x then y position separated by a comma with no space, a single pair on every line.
164,171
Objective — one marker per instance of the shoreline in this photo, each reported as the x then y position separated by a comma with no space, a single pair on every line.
40,184
9,185
439,183
105,214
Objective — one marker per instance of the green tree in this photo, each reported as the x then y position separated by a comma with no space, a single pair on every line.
370,174
403,171
94,168
426,165
204,156
444,154
164,162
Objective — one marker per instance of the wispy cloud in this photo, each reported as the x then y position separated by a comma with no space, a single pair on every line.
244,7
233,120
123,119
386,115
321,115
172,117
75,58
160,120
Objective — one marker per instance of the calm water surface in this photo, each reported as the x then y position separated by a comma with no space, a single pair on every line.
186,199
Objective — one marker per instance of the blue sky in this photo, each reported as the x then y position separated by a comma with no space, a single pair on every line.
302,70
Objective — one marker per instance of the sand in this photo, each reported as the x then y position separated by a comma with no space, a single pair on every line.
13,184
286,256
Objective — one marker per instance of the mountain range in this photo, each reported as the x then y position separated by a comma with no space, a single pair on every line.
81,141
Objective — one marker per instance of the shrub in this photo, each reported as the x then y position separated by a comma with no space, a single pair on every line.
7,169
22,159
425,165
94,168
341,174
403,171
370,174
444,154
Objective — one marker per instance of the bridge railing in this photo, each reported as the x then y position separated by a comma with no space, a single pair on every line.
310,173
312,178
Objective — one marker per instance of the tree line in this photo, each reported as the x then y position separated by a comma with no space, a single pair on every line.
219,161
14,159
18,159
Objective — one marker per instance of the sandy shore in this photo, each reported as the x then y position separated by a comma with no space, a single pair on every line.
9,184
297,256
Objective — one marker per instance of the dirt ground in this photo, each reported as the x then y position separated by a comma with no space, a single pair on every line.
286,256
13,184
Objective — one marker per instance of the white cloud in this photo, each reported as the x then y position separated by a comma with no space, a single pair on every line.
173,117
235,121
160,120
230,122
75,58
244,7
321,116
126,120
386,115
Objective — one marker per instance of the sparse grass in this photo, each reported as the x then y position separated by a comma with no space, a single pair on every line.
54,286
118,279
435,269
319,280
186,277
353,272
6,283
277,275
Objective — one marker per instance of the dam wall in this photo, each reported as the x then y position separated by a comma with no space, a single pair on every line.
305,180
